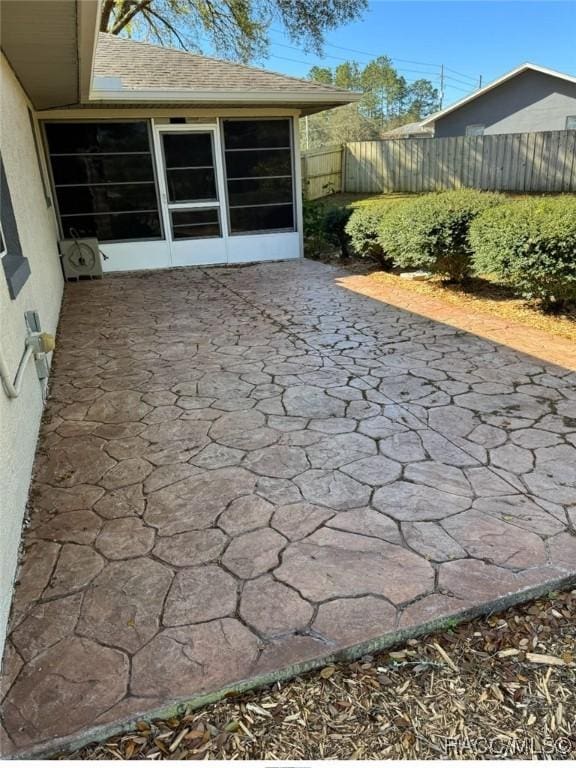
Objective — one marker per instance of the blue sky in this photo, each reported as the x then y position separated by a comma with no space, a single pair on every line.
471,38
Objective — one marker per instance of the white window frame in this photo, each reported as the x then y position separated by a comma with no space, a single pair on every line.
53,185
192,251
165,203
475,129
568,118
295,220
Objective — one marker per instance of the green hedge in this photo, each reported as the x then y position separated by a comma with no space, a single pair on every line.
325,228
334,227
363,230
530,244
431,231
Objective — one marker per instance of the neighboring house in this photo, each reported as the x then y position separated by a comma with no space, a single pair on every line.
525,100
409,131
170,159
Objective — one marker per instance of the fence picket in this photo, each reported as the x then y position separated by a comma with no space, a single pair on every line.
522,162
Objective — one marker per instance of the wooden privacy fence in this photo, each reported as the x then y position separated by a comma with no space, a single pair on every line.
322,171
513,162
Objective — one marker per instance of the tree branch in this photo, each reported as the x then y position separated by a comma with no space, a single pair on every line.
106,12
129,15
173,30
156,32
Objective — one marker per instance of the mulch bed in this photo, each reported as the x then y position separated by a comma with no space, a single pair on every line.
481,293
486,295
500,686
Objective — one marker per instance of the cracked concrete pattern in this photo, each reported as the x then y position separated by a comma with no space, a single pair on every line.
245,469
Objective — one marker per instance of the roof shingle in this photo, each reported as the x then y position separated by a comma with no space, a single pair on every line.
145,67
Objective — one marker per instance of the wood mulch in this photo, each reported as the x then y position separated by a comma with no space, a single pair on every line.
484,294
481,308
501,686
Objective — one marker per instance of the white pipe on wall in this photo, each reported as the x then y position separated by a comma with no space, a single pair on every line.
14,389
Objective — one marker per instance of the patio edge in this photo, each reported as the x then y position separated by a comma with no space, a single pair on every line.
181,706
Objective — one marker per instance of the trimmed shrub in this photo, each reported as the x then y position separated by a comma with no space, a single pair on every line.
431,231
315,244
363,230
334,228
325,229
531,245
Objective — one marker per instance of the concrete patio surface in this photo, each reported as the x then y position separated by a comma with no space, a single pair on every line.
243,472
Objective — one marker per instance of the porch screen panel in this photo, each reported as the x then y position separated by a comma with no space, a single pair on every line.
189,162
259,175
104,180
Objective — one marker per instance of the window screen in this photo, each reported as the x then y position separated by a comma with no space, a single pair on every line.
104,180
188,158
571,123
258,156
192,224
475,130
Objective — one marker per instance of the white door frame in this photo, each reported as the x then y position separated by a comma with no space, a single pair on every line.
201,250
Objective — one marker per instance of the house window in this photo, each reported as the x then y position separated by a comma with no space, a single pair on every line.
15,265
571,123
475,130
104,180
259,175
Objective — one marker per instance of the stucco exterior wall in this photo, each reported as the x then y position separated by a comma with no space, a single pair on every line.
20,418
530,102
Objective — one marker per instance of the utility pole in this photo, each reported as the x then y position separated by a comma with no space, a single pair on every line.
441,85
480,82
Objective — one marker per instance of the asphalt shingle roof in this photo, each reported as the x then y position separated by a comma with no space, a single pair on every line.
142,66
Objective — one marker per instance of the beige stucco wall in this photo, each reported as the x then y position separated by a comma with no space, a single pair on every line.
20,418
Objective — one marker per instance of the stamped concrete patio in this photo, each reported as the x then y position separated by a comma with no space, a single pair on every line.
244,471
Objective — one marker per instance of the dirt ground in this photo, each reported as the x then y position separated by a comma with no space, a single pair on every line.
501,686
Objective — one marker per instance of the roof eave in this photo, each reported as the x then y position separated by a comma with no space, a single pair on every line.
429,121
50,46
87,31
222,97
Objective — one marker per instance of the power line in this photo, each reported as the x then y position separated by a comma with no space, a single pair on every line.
456,72
437,78
456,88
375,55
342,58
432,78
368,53
462,82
